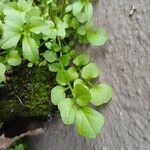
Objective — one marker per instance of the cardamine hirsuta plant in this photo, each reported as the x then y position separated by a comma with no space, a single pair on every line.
44,33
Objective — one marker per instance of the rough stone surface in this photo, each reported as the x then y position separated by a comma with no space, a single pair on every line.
125,64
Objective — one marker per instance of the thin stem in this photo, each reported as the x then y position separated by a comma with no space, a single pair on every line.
71,89
59,41
3,52
67,88
42,44
90,83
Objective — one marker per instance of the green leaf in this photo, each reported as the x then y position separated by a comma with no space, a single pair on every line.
89,122
57,94
18,147
14,58
101,94
82,30
74,23
66,19
97,38
61,26
9,40
73,53
50,30
82,95
64,60
32,12
86,14
55,47
24,5
90,71
14,23
12,31
54,67
68,8
13,9
61,31
30,65
48,45
77,7
50,56
88,11
73,73
62,77
81,17
2,73
65,49
5,1
2,59
36,25
30,49
67,110
81,60
89,25
78,81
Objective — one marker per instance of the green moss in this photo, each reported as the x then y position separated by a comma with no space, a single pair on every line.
26,93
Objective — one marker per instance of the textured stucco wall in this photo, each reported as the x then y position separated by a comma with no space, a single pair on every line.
125,64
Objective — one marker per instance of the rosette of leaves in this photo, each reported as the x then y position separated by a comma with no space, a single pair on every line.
44,33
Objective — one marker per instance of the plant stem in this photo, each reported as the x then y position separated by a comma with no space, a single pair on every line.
90,83
71,89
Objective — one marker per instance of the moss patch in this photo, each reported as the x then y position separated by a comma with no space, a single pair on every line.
26,93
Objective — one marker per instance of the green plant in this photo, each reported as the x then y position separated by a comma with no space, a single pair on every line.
18,146
44,33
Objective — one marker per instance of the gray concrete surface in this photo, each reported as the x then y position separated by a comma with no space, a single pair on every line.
125,64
